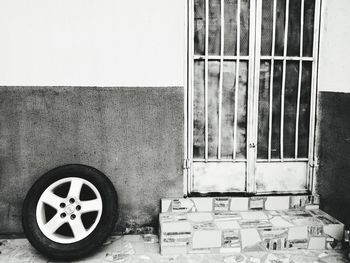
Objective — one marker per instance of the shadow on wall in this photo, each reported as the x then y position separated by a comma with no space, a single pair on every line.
133,135
334,153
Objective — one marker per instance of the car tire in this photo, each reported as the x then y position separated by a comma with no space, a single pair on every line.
70,211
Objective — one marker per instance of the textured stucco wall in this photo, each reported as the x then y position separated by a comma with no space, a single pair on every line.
133,135
334,154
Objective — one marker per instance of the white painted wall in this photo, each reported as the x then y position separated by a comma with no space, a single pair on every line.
127,43
334,67
92,42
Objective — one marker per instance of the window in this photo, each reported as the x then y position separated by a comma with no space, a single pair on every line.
251,95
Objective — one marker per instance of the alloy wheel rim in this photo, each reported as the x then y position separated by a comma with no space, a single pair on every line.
70,210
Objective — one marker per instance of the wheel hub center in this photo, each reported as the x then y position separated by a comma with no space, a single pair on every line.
70,209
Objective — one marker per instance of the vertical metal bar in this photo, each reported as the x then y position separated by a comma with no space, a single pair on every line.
187,85
221,74
312,174
191,92
206,76
237,77
284,76
299,80
250,180
271,74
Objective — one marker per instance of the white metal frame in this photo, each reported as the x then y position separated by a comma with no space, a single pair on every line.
254,58
251,136
313,104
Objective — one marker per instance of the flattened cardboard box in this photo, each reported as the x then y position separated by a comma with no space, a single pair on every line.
228,232
212,204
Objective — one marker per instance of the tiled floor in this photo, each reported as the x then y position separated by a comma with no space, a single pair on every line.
134,249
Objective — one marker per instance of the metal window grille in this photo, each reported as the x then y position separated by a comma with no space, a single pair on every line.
262,54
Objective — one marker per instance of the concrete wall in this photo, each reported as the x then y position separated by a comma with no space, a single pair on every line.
126,43
334,153
133,135
333,129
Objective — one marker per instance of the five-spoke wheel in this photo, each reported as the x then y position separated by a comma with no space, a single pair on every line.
70,211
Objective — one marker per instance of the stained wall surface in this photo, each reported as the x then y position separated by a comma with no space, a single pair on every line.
132,135
333,182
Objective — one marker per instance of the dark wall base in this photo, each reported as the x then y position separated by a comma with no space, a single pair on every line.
133,135
334,152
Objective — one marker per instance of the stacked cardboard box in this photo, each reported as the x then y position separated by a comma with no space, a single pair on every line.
227,225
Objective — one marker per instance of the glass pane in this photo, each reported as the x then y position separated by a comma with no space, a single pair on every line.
242,110
263,107
276,110
213,108
198,110
214,27
245,11
294,28
308,37
304,110
199,27
290,108
230,35
227,110
266,27
280,23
